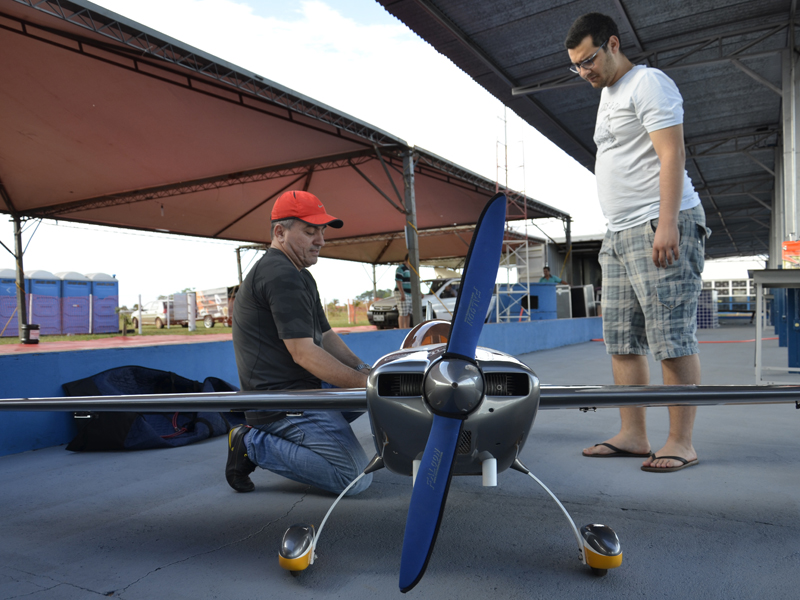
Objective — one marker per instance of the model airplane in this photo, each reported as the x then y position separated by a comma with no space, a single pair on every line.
442,406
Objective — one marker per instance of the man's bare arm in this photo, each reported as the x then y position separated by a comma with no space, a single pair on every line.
668,144
333,344
320,363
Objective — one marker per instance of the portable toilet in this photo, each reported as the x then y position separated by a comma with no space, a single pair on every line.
104,303
43,295
9,321
76,292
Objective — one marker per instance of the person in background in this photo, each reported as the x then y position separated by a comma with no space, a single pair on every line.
402,293
548,278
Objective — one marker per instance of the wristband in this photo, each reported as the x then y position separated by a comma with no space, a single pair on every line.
363,366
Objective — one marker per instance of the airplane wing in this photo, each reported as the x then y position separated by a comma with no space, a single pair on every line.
551,397
291,401
615,396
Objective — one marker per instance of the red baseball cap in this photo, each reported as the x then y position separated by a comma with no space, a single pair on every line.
304,206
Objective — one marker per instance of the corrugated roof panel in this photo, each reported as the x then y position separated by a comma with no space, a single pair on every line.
729,107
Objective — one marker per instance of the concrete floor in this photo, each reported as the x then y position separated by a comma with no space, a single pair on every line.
164,524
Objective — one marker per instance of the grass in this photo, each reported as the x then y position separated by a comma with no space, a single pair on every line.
146,330
336,318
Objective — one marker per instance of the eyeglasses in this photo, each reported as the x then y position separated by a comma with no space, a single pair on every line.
588,63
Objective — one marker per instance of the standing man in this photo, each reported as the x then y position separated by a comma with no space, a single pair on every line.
547,278
283,341
652,254
402,293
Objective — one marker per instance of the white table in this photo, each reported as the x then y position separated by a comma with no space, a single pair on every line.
771,278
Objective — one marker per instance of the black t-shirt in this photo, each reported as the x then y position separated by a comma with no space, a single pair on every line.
274,303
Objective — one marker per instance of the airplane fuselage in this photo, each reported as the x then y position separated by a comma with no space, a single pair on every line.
401,418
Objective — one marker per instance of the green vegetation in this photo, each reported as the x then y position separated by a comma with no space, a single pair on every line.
338,314
337,317
367,296
146,330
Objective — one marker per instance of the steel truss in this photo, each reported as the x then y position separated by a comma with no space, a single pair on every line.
207,183
725,48
766,40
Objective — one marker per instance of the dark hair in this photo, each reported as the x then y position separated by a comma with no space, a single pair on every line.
601,27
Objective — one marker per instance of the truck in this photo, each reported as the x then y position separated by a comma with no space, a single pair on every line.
212,306
216,306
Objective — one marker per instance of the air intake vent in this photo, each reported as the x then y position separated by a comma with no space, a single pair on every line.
400,384
507,384
464,442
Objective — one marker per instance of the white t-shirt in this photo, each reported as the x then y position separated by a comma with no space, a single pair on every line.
627,167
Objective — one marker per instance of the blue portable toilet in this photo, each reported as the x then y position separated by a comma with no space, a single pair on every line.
104,303
43,295
76,293
9,321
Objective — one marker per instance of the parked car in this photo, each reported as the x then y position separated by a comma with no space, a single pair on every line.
438,294
153,313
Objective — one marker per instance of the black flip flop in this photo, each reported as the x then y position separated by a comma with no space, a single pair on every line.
617,453
686,463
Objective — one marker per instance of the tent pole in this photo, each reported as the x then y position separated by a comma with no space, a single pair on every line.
412,239
570,275
22,309
239,264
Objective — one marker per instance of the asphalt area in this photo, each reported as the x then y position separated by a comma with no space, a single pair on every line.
164,523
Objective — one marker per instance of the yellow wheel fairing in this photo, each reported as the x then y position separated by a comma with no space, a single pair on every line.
296,564
600,561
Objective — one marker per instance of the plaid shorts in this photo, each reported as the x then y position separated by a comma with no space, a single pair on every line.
403,306
645,307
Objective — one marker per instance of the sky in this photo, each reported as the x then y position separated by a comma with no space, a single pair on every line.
356,57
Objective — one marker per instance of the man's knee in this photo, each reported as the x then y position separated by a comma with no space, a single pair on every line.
677,362
681,370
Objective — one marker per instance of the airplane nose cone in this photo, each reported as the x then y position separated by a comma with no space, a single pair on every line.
453,387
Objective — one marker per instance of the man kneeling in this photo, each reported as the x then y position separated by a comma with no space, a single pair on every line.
282,341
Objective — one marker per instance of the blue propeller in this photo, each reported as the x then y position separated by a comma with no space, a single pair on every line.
453,388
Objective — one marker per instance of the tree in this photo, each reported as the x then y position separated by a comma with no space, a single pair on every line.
367,296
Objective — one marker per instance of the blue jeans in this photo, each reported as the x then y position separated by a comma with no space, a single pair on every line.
317,448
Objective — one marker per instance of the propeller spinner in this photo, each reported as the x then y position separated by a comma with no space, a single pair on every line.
453,388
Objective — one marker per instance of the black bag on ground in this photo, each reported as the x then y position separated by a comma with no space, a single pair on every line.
139,431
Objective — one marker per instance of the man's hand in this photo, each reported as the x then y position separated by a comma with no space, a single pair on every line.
666,244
